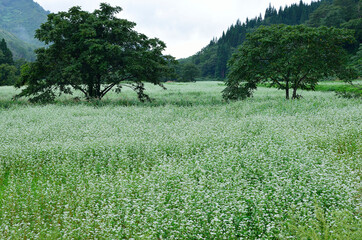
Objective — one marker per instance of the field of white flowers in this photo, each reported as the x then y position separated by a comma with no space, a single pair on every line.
187,166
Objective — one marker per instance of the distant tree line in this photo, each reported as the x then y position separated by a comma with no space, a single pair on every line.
213,59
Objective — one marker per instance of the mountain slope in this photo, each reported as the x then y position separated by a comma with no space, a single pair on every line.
18,21
22,18
19,48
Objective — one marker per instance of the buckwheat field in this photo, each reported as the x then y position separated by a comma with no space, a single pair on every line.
186,166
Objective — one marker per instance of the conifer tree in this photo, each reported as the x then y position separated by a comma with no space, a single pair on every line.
6,56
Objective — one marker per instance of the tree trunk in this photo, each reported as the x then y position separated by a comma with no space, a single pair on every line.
295,96
94,89
287,90
90,91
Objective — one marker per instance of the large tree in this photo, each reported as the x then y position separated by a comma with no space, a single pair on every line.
289,57
93,53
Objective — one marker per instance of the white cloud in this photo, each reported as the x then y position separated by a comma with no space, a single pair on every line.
184,25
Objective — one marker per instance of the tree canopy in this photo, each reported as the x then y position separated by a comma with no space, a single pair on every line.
93,53
189,72
289,57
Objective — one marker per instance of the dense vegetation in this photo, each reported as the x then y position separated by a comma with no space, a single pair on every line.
93,53
186,166
290,58
212,60
9,69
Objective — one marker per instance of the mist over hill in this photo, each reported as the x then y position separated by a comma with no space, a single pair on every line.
22,18
19,48
18,21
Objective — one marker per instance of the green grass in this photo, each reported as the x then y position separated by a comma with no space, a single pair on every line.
338,87
187,165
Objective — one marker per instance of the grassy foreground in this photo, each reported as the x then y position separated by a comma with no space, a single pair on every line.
187,166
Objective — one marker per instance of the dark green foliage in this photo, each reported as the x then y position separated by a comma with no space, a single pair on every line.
356,61
7,75
351,9
356,25
92,53
327,15
7,69
290,57
223,55
6,56
19,63
339,13
212,60
189,72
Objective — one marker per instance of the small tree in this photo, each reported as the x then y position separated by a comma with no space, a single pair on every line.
189,72
289,57
8,75
93,53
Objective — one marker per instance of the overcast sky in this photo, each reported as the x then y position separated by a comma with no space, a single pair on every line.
186,26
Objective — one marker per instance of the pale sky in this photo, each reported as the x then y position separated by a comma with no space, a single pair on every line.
186,26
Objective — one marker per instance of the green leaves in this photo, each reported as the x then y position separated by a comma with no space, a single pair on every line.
93,52
295,57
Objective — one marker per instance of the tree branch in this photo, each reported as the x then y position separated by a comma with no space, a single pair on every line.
110,86
277,82
107,89
79,88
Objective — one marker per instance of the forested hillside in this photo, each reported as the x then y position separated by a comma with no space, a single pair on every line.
18,21
19,48
212,60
